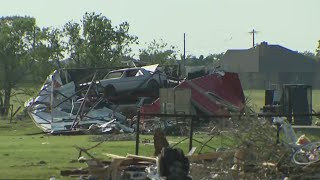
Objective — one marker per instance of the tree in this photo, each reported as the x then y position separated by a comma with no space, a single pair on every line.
75,44
210,60
214,59
47,52
308,53
96,43
53,37
27,50
158,53
16,45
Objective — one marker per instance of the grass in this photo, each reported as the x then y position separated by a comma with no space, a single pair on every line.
43,156
28,154
24,153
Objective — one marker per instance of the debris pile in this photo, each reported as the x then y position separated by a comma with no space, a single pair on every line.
258,154
253,154
171,164
69,101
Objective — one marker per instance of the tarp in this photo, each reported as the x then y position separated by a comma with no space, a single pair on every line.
214,94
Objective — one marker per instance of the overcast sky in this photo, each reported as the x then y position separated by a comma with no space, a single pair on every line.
211,26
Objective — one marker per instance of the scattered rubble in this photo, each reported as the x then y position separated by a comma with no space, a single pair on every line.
254,155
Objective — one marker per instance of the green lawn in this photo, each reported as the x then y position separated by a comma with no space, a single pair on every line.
43,156
24,155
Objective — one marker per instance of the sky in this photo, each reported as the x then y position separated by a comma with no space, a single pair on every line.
211,26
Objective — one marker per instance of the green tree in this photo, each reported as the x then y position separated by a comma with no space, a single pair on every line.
47,52
308,53
158,52
210,60
96,43
53,37
16,46
213,59
75,44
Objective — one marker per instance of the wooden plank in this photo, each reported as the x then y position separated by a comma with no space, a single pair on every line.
113,155
193,149
145,158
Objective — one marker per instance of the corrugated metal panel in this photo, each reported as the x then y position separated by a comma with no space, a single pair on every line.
227,88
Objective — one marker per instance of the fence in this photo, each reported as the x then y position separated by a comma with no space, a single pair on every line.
220,121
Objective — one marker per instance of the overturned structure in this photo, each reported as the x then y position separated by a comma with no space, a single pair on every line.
214,94
70,100
61,106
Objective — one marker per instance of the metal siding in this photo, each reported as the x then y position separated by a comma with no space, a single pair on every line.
228,87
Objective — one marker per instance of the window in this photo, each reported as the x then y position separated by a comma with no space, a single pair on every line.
131,73
112,75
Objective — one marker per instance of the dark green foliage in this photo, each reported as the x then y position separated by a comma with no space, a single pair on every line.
158,53
16,45
212,60
29,53
96,43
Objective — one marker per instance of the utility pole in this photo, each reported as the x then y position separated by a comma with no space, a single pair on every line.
253,32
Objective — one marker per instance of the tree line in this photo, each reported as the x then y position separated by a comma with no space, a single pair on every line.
28,53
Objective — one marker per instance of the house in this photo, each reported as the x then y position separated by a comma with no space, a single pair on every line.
266,64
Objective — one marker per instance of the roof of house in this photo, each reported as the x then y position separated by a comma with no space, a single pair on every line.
268,58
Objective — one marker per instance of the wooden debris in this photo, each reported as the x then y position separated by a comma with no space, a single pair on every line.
193,149
145,158
113,156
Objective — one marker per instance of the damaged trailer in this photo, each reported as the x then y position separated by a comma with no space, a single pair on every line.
58,105
215,94
67,101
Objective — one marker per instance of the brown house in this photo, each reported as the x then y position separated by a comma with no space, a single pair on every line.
265,64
